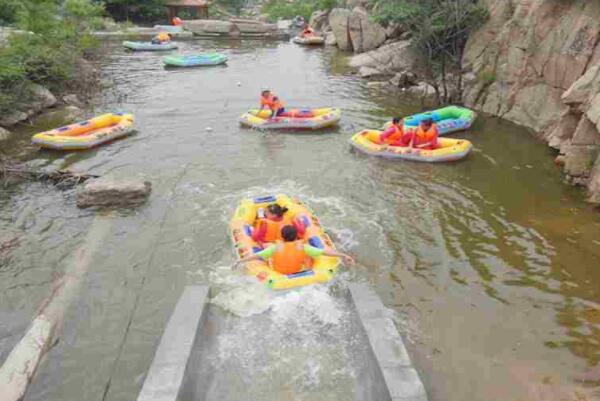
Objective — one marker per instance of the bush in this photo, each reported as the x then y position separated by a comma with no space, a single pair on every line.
57,36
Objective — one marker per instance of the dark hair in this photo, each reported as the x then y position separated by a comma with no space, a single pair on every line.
396,120
289,233
428,120
277,210
275,98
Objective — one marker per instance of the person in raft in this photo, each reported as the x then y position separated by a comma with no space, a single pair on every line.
394,135
426,136
269,101
176,21
270,221
162,37
307,31
292,255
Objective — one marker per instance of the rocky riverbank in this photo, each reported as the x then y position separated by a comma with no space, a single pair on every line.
534,62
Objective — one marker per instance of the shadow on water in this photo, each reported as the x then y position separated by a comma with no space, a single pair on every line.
489,263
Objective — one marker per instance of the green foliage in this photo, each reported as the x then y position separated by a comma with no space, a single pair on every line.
234,6
284,9
440,29
56,35
136,10
8,11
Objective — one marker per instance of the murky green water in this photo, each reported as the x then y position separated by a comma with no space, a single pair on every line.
490,263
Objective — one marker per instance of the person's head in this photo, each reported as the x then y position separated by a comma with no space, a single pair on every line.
275,98
170,36
289,233
274,211
397,121
265,93
427,122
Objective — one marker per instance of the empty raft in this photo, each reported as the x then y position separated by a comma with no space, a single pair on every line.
449,149
199,60
292,118
86,134
323,269
149,46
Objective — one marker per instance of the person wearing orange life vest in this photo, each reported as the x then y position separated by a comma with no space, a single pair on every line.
307,31
270,220
277,107
266,99
161,37
394,135
426,136
292,255
176,21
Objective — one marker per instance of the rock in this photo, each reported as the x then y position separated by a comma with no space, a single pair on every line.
72,100
404,79
4,134
9,240
43,98
13,118
563,131
423,91
393,31
377,84
351,4
330,39
392,58
365,35
338,21
60,116
105,192
586,133
319,21
594,184
205,27
369,72
579,160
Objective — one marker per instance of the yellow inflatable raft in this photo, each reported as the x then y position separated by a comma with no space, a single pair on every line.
242,225
450,149
86,134
292,118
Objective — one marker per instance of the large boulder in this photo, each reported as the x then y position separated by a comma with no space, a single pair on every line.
42,98
211,27
364,34
319,21
338,21
106,192
424,92
330,39
391,58
594,184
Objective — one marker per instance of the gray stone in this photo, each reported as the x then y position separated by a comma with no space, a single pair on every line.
319,21
586,133
594,184
392,58
579,159
202,26
13,118
330,39
563,131
404,79
106,192
43,98
338,21
4,134
72,100
423,91
369,72
165,377
365,34
60,115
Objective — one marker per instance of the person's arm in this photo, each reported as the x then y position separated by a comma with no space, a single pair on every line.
314,252
262,255
386,134
259,233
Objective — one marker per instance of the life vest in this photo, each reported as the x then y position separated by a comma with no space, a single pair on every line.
177,21
268,230
308,32
277,104
289,257
396,136
266,101
426,136
163,37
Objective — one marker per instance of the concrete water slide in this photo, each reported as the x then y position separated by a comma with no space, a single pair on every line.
387,373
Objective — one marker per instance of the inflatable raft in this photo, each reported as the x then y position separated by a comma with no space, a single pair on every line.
207,59
450,149
242,224
448,119
292,118
86,134
309,40
149,46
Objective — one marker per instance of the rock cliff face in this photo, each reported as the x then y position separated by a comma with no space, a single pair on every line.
537,63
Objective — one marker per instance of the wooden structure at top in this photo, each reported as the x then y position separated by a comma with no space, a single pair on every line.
198,7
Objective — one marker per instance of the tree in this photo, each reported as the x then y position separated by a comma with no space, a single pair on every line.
440,29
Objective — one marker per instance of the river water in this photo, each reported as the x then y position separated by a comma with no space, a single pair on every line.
489,265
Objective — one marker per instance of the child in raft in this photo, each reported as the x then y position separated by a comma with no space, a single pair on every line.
394,135
162,37
270,221
426,136
268,100
292,255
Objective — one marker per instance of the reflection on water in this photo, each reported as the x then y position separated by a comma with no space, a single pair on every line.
490,263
